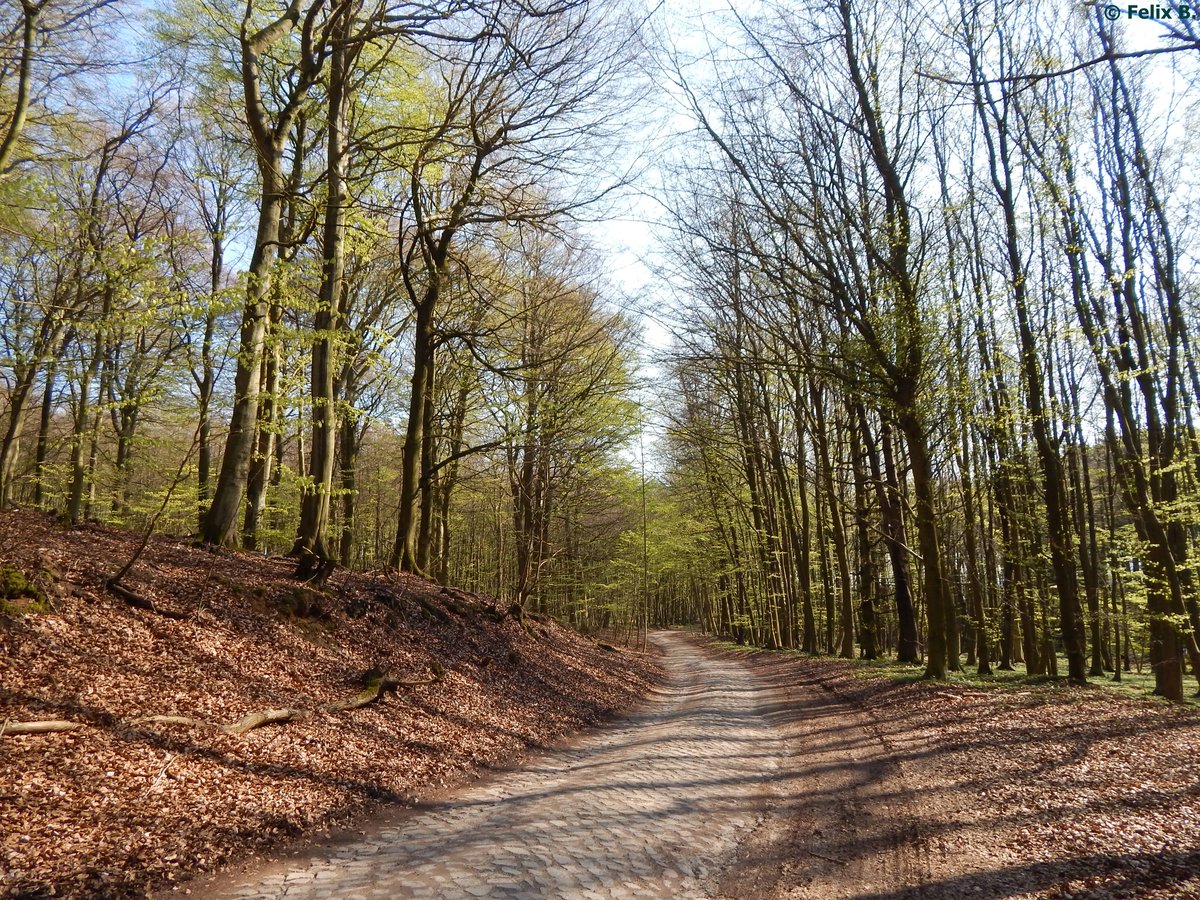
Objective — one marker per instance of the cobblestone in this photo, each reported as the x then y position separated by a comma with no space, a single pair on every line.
652,806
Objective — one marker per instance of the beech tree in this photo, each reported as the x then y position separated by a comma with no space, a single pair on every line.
296,69
835,170
522,107
843,205
43,42
931,388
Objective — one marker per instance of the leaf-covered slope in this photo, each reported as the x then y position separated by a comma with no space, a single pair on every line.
116,806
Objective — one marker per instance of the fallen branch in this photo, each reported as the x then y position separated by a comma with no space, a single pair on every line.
48,726
139,602
375,689
171,757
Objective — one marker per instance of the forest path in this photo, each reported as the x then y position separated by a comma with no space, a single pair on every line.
652,806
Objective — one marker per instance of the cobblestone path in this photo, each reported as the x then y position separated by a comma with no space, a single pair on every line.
652,806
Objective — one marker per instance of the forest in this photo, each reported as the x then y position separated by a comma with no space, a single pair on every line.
328,279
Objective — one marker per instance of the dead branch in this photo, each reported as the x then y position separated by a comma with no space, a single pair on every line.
139,602
48,726
376,688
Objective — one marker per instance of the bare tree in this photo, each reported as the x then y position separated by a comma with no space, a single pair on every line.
837,190
522,108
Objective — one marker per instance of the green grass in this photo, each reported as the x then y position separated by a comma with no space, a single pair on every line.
1133,685
747,648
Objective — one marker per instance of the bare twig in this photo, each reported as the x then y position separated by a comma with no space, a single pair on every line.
1034,77
171,757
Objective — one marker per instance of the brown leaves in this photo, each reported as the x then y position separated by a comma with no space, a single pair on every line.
1050,792
113,808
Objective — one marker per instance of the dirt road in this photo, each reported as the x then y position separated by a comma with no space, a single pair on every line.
715,788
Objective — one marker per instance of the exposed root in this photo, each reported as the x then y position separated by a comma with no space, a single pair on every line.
312,566
264,717
248,722
432,609
172,720
377,688
459,604
517,612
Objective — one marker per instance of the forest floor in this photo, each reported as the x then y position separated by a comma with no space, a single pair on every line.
118,806
1003,790
758,776
745,774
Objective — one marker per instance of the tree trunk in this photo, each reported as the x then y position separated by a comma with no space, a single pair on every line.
404,552
429,477
908,648
350,443
809,644
866,565
316,501
46,346
264,466
928,541
77,497
1062,557
220,522
43,440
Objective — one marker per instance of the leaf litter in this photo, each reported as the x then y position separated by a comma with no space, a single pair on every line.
116,809
1029,792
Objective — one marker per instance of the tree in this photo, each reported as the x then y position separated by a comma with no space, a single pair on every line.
995,113
43,41
523,105
296,70
854,247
